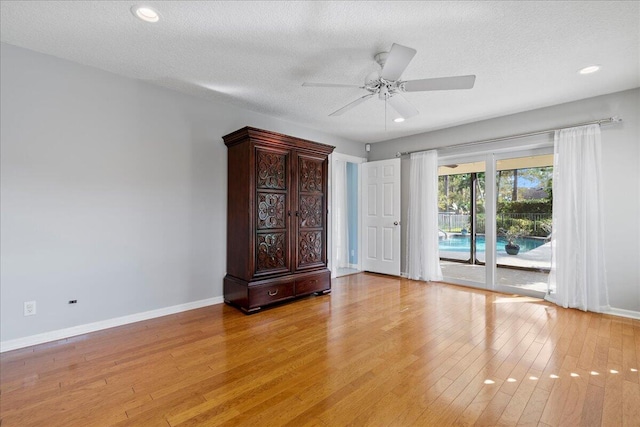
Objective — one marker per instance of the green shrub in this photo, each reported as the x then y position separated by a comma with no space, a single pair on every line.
526,206
528,227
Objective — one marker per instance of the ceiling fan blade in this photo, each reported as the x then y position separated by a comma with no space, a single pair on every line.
440,83
351,105
307,84
402,106
397,61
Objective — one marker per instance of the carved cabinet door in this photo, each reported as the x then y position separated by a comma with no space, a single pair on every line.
310,244
272,211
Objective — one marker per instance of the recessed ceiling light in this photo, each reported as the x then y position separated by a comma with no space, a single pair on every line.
145,13
399,120
590,69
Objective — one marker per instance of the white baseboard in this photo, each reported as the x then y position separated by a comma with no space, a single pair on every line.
132,318
104,324
624,313
631,314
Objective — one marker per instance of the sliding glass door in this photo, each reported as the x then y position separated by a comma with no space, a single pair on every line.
523,223
461,222
495,220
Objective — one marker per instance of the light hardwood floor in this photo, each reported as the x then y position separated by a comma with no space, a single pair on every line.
377,351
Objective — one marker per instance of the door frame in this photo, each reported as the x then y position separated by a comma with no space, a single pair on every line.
330,249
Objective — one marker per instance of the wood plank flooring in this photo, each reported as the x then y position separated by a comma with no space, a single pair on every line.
378,351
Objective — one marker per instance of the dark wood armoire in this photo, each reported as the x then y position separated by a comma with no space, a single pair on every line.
276,218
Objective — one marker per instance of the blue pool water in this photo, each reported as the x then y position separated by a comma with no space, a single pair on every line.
463,243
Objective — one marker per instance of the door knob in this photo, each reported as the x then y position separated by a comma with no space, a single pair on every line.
395,223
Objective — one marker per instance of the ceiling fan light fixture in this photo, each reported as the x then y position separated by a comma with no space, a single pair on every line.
399,119
590,69
384,93
145,13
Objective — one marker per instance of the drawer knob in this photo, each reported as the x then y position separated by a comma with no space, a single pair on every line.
272,294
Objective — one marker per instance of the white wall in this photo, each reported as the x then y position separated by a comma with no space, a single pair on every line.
621,160
113,192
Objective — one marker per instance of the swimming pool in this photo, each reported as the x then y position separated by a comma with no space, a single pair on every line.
457,243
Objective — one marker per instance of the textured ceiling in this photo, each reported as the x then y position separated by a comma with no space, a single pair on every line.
257,54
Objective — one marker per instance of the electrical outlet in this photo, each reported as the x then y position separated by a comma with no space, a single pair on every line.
29,308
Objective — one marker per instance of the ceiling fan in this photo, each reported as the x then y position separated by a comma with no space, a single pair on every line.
388,86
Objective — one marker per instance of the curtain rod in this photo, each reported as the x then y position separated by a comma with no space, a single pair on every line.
609,120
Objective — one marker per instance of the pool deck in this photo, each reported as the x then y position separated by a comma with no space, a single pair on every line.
539,258
455,272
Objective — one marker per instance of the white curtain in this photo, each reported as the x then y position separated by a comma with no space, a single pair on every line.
340,216
577,278
423,256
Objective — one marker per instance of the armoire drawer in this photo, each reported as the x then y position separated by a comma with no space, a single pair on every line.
310,284
267,294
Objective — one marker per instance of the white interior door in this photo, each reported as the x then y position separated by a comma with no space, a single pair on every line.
381,216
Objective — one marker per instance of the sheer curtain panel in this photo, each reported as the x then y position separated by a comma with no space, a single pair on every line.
577,278
340,218
423,256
